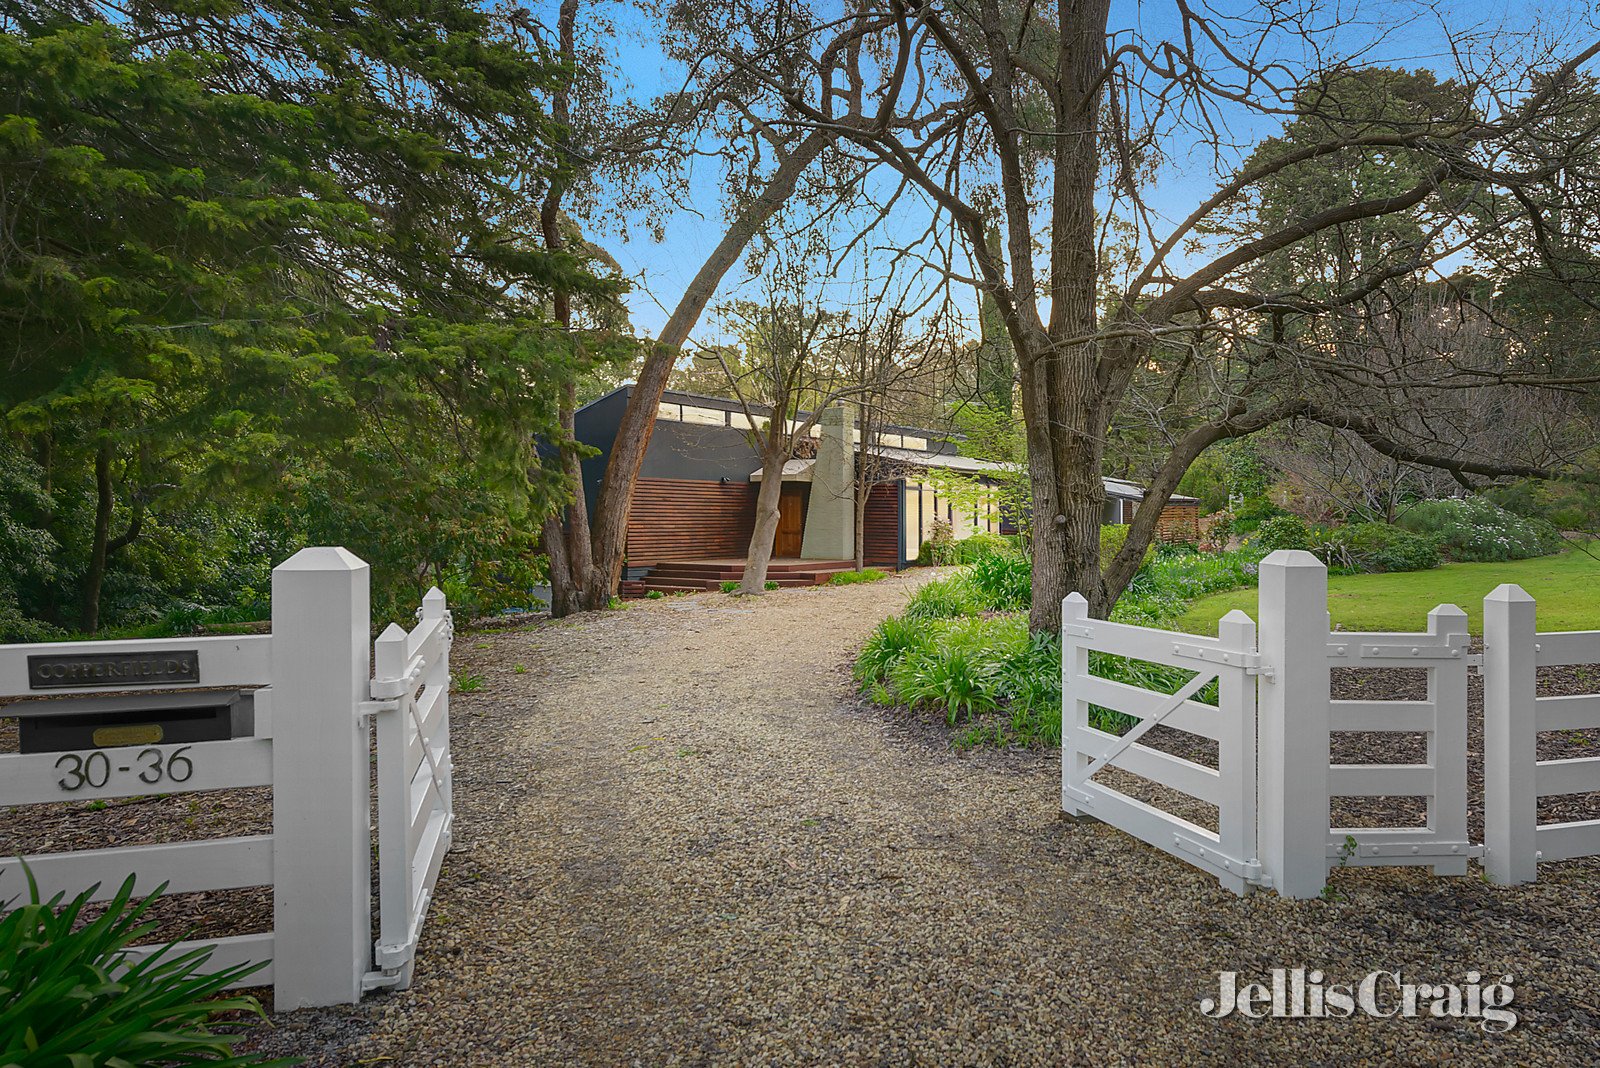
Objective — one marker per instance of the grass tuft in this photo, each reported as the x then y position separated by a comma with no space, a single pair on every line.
851,578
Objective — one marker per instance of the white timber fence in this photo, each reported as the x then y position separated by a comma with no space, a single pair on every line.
315,699
1274,779
1514,778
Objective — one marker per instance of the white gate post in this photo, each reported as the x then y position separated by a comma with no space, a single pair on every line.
1074,663
1447,742
1510,798
1293,727
322,847
1236,745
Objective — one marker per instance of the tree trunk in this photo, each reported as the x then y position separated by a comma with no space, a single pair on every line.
863,488
99,550
866,469
1066,412
567,541
564,599
639,420
766,529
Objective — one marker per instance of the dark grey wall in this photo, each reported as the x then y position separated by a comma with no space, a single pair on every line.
695,451
596,425
701,452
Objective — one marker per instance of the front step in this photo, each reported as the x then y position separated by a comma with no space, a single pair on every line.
697,576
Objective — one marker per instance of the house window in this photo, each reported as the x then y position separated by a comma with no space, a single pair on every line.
708,416
909,442
670,411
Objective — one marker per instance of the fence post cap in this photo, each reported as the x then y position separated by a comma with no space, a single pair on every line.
323,558
1291,558
1237,615
394,632
1508,591
1446,611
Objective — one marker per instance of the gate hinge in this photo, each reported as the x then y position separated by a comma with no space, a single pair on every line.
384,980
1251,662
1250,870
1396,850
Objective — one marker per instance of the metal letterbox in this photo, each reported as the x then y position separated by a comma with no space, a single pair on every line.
62,724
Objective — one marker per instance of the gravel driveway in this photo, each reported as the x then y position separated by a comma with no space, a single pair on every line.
682,840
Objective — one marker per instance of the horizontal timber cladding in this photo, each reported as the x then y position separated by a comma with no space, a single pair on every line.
880,541
677,519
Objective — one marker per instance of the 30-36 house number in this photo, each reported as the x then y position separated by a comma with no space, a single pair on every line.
94,770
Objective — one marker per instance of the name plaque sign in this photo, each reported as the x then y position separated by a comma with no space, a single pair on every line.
113,670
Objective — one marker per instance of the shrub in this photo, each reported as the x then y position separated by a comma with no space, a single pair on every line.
966,668
850,578
957,668
655,595
1002,582
941,536
1476,529
894,637
942,548
62,1001
1163,588
1379,547
771,584
976,547
729,585
1252,512
1113,537
1281,532
1217,532
944,598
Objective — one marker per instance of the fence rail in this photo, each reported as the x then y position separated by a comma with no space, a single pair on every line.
238,661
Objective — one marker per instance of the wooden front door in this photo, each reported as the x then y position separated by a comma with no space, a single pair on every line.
791,520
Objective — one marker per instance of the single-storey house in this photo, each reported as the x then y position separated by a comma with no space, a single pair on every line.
696,494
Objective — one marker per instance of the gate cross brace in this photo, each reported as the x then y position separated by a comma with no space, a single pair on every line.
1175,702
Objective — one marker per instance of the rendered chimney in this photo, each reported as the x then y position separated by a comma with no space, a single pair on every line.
830,532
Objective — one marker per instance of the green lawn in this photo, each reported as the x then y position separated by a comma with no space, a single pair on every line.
1567,587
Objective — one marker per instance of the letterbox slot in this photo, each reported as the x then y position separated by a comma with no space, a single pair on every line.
62,724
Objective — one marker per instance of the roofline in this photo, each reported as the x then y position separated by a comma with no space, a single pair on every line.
729,404
732,405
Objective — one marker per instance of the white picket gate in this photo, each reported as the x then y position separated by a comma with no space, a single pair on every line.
415,811
1277,707
313,698
1230,659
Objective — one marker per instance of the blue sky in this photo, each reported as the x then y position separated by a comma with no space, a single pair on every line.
1390,33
